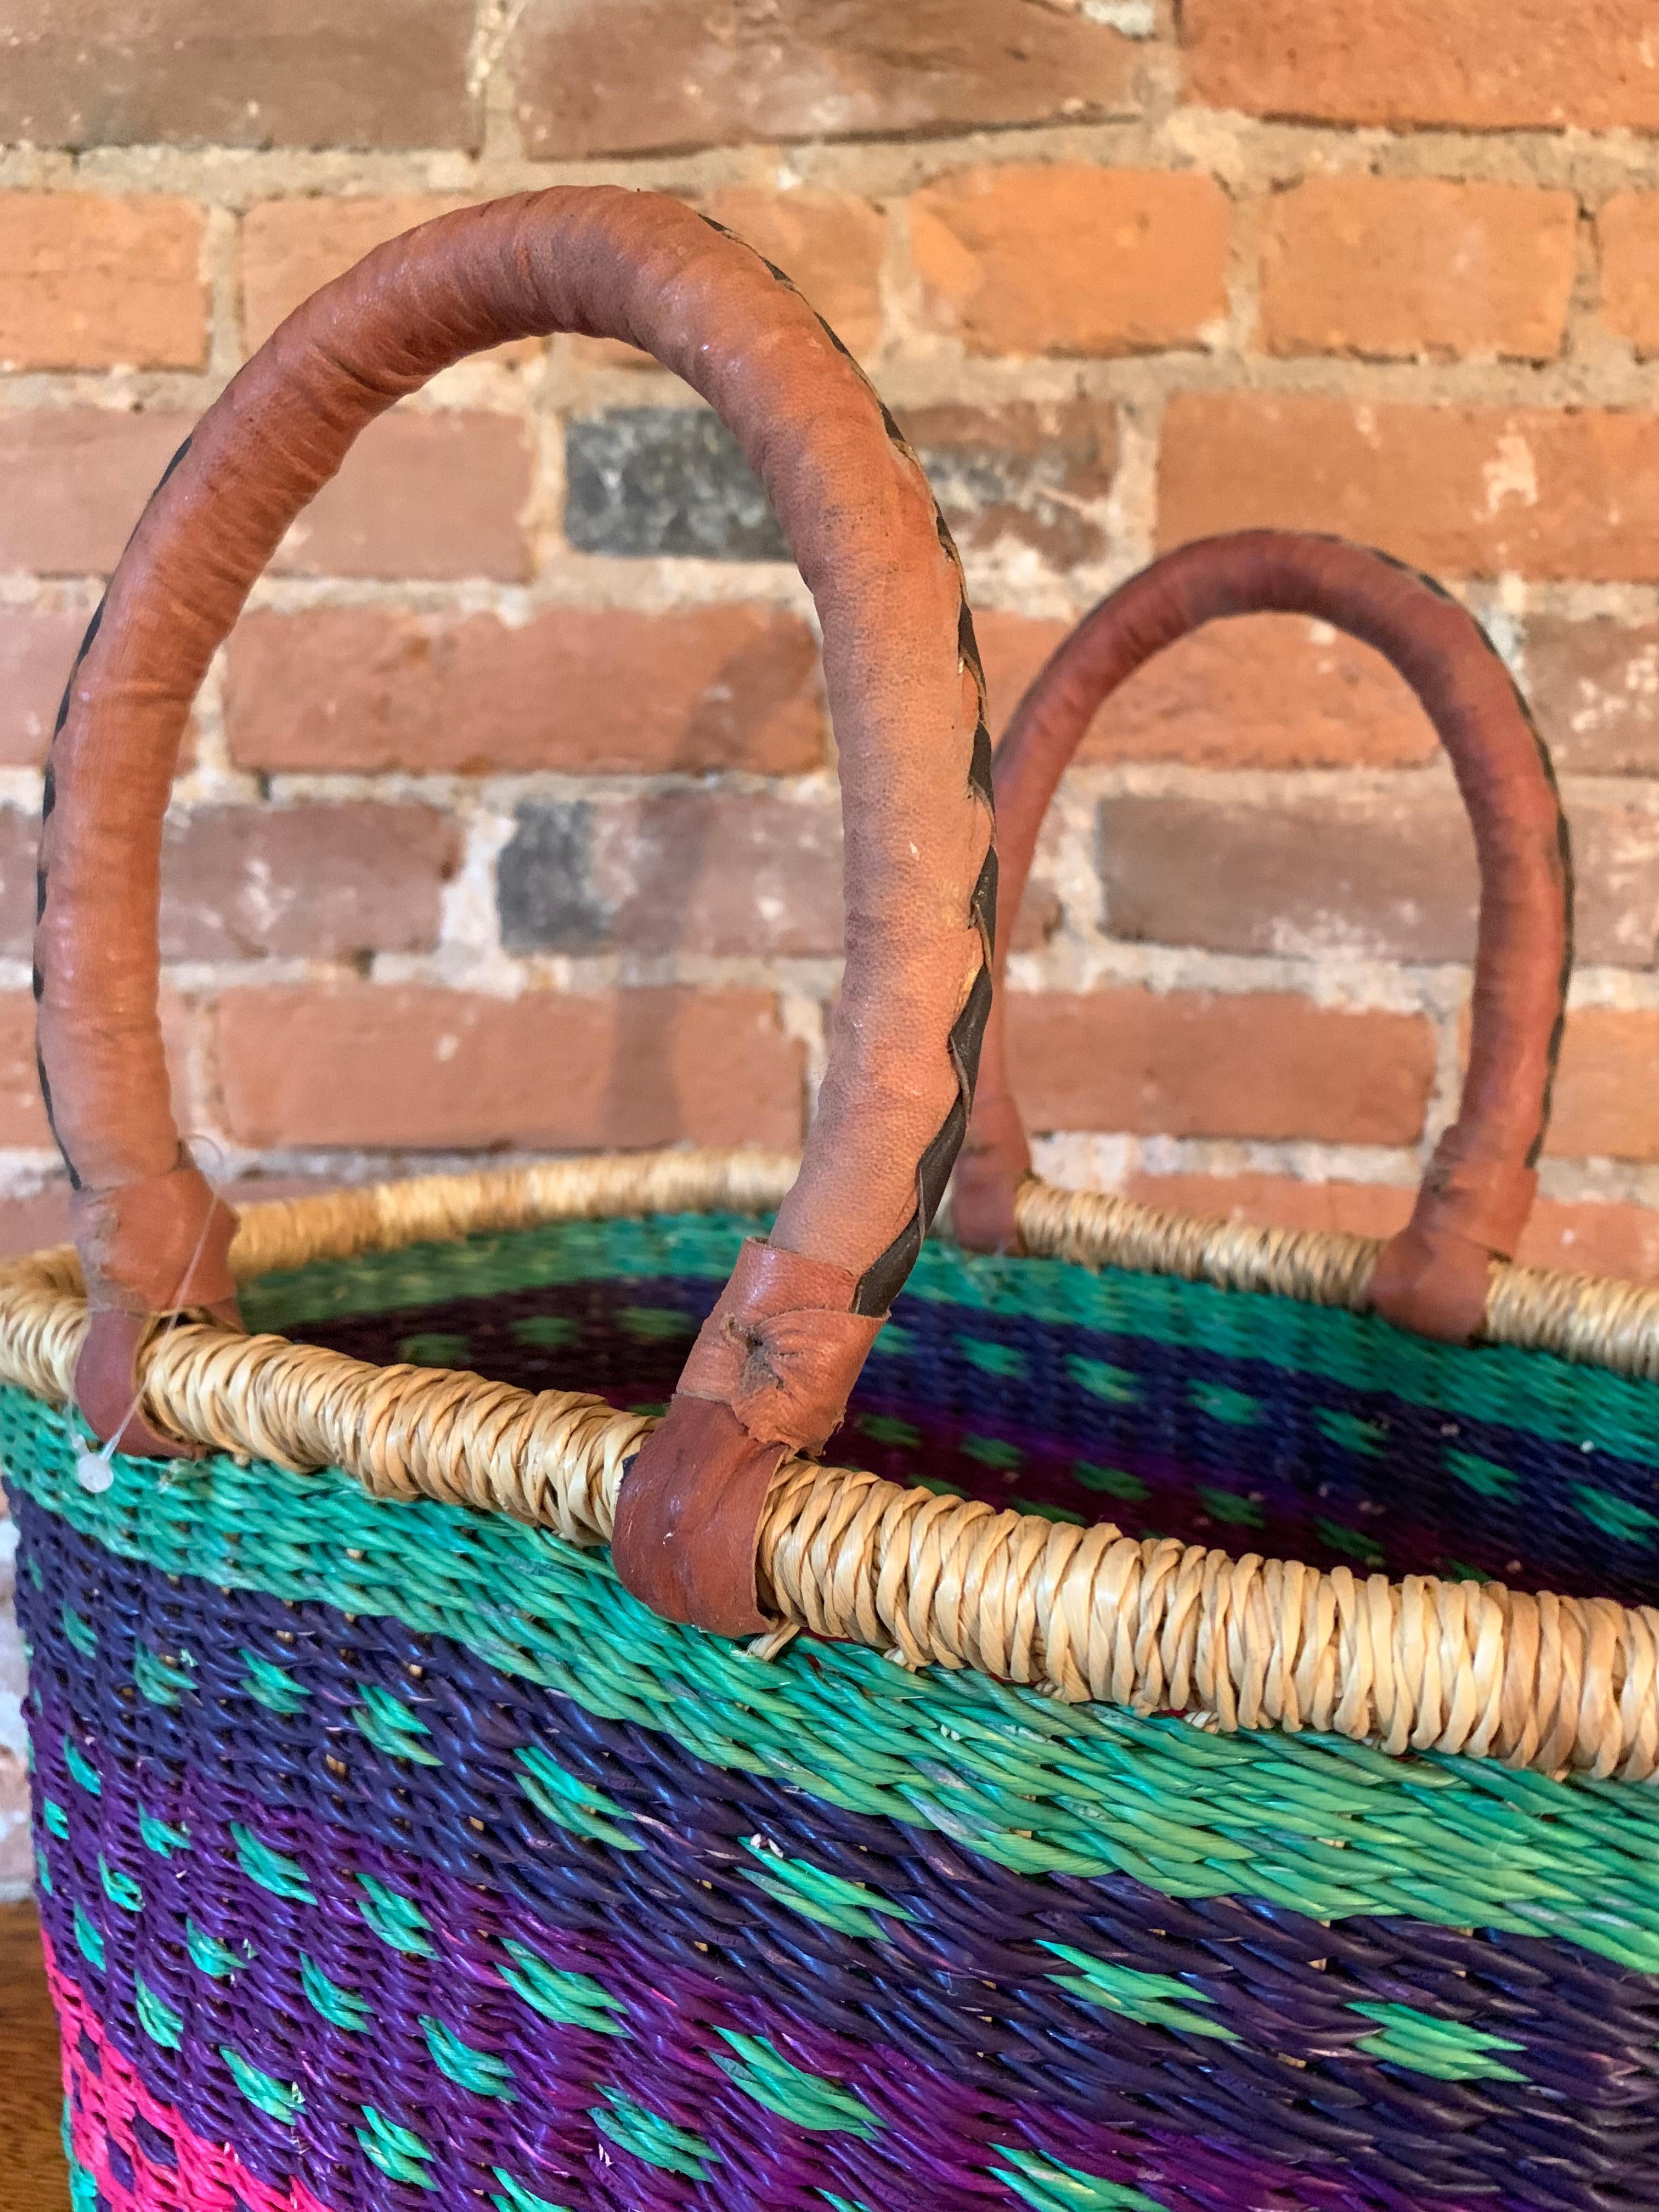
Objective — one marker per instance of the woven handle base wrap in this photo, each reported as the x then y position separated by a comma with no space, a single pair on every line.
1478,1186
901,669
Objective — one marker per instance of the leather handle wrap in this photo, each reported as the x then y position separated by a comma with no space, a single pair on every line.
1479,1185
901,671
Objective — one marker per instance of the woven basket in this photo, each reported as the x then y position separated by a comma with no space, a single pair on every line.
392,1854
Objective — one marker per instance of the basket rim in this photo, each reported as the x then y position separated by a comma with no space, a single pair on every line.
1552,1683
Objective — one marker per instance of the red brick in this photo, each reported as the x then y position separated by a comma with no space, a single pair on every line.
1481,64
637,75
1271,1201
1592,1237
1405,266
76,479
1030,476
22,1116
1628,237
1257,691
421,1068
1012,648
688,870
240,882
1594,689
1462,491
829,244
320,882
1199,1063
1071,259
422,492
267,72
289,249
1385,875
88,281
1607,1103
33,1224
20,844
38,646
591,687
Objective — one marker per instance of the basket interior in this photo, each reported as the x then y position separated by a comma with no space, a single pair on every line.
1168,1407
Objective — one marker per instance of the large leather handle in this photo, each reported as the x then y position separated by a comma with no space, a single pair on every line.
1479,1185
772,1372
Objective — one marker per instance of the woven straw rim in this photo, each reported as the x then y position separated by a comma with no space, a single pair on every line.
1552,1683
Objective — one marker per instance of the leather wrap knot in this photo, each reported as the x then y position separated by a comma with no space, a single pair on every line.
158,1245
1432,1277
769,1375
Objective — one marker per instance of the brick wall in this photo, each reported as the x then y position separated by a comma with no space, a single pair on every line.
508,820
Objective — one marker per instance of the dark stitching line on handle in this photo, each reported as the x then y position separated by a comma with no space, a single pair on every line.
49,801
884,1277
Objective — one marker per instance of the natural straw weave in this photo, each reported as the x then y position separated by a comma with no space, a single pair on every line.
1554,1683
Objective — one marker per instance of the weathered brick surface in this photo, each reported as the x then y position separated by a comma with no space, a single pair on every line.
29,1224
22,1117
829,244
288,249
1399,266
683,870
642,480
422,492
1595,688
1024,477
1627,248
1597,1238
268,72
37,649
604,688
609,76
1203,1064
1468,491
1607,1103
20,841
653,480
1071,260
1257,692
76,479
414,1069
1481,64
1388,876
319,881
90,281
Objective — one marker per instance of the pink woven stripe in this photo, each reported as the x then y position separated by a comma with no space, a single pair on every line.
102,2108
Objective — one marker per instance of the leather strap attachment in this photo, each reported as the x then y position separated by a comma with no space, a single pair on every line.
769,1377
1476,1194
1433,1275
902,674
155,1247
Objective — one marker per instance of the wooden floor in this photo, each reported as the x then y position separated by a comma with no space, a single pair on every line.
32,2175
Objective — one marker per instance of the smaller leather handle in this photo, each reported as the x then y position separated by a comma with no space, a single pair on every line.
1478,1186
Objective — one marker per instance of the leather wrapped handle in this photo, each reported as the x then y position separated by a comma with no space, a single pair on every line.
906,699
1478,1188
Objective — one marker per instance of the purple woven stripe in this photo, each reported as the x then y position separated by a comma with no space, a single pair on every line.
1229,1430
938,2142
961,1979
